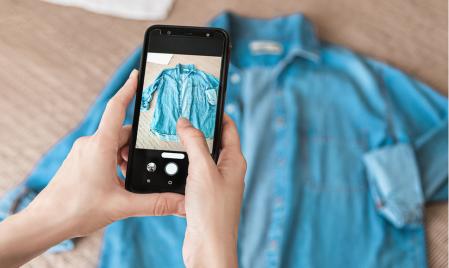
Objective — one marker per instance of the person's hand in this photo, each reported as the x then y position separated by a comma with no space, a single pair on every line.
213,196
87,193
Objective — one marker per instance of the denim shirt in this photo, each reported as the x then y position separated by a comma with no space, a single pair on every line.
342,150
184,91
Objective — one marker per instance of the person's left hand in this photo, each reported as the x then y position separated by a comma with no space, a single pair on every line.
86,192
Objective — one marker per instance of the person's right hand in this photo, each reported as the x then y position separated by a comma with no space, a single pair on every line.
213,197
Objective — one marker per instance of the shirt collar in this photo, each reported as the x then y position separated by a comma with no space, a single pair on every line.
295,30
185,68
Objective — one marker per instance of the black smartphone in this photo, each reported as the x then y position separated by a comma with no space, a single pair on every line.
183,73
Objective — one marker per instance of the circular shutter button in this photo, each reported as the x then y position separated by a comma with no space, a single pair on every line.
151,167
171,169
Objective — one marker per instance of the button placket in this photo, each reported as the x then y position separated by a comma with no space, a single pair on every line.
278,216
234,80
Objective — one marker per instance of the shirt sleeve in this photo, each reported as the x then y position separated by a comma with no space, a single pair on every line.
412,168
147,93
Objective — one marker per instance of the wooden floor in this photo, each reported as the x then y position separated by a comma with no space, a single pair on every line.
55,60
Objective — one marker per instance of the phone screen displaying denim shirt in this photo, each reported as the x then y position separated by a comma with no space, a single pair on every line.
177,85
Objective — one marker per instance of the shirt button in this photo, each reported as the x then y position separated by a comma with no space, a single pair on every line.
281,162
273,244
280,121
278,201
230,108
235,78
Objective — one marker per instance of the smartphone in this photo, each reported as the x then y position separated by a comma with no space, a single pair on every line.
183,73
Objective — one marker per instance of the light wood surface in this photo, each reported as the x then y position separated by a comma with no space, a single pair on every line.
55,60
145,138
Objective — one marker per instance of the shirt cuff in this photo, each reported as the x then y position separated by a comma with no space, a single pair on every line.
395,184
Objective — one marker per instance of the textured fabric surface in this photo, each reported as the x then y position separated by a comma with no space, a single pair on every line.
42,65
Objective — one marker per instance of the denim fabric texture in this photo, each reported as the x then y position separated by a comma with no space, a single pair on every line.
183,91
342,150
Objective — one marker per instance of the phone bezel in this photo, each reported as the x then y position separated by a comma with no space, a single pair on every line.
187,32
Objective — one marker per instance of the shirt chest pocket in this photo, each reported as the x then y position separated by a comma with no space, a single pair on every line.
332,164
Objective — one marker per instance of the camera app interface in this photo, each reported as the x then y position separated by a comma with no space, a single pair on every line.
177,85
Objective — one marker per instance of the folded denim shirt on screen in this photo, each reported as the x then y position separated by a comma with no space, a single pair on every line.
183,91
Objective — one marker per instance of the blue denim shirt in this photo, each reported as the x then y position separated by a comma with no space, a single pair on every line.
184,91
342,153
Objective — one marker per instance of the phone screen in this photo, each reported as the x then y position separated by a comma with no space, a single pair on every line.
180,76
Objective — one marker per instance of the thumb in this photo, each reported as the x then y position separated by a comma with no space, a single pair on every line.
193,140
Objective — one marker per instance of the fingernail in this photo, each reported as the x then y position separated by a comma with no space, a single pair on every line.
133,73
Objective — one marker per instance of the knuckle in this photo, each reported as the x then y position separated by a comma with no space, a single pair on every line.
195,133
101,139
110,104
160,206
113,101
115,104
80,142
210,174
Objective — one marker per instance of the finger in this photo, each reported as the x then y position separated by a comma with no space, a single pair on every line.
157,204
230,136
123,167
124,152
120,182
182,209
193,140
122,156
122,162
231,162
115,111
124,135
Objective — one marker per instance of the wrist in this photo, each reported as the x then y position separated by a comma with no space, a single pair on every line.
52,223
222,254
28,234
214,251
56,222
